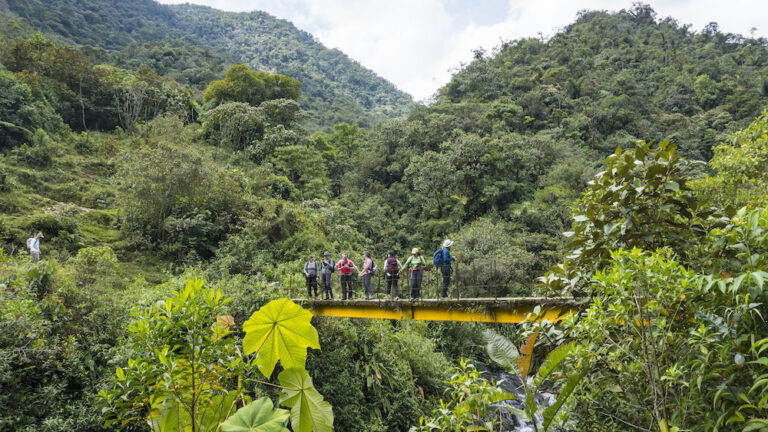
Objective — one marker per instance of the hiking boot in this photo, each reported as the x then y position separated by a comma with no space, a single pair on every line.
397,298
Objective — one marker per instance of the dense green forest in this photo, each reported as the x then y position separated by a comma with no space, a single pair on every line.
191,43
179,179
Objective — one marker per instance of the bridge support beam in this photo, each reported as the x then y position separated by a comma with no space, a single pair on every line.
498,310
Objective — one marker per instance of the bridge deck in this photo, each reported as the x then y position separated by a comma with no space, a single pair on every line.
501,310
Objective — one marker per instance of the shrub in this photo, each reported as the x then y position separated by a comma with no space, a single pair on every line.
61,230
95,261
84,144
235,124
742,168
38,156
182,207
641,200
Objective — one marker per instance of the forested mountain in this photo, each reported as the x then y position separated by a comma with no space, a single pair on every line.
515,136
336,88
149,158
610,79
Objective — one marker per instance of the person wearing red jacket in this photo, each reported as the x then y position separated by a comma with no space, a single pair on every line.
345,266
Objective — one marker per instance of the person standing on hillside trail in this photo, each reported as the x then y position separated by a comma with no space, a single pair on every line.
327,267
445,267
311,270
392,267
415,263
366,274
345,267
33,243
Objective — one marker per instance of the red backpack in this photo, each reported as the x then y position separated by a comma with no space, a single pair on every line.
392,267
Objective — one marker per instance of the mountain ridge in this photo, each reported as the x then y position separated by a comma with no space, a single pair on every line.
336,88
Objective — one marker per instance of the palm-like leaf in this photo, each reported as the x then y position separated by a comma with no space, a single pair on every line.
501,350
552,362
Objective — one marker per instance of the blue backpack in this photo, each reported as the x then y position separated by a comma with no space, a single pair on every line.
437,258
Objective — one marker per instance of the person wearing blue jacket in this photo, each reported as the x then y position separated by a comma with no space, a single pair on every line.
446,267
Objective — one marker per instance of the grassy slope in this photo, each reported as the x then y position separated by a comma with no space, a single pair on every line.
76,189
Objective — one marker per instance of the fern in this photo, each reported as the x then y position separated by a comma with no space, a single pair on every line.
501,350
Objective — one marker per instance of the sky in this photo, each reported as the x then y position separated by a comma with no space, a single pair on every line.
418,44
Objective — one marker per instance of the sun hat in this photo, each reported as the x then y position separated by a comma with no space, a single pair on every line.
448,243
414,251
326,253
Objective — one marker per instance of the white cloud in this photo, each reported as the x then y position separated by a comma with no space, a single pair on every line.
415,43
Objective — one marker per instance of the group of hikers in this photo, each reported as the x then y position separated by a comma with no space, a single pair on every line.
324,270
393,268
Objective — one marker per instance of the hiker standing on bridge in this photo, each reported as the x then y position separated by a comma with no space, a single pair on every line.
311,269
392,267
367,273
442,261
415,263
345,267
327,267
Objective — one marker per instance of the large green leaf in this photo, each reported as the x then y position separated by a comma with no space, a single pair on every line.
258,416
281,330
552,362
501,350
308,409
167,416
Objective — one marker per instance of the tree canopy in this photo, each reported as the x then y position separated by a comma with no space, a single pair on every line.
241,84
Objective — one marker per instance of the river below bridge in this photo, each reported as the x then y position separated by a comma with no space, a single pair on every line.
512,383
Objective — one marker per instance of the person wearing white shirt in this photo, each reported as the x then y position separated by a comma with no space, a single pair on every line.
34,247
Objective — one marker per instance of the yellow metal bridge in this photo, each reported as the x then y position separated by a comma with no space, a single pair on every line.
495,310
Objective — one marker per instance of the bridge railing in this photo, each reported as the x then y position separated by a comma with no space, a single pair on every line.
476,280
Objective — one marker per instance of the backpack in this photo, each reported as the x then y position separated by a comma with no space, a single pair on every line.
437,258
392,266
29,242
375,268
331,265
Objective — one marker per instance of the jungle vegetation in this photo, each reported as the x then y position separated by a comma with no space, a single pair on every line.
164,160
